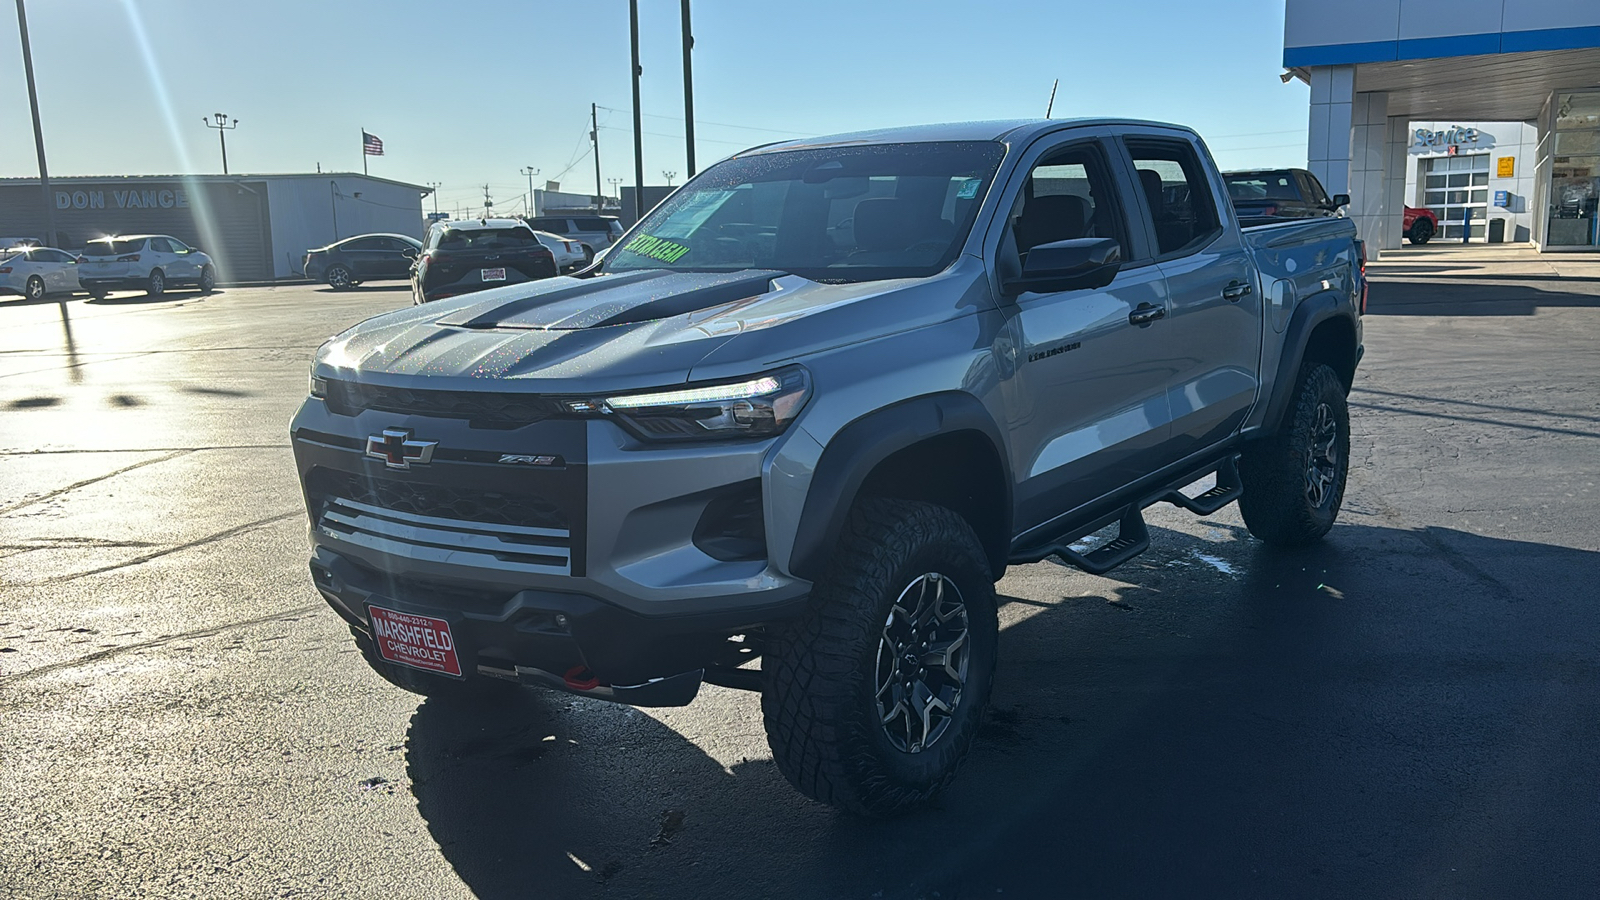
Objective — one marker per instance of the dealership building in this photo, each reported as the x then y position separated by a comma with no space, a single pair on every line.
256,227
1487,111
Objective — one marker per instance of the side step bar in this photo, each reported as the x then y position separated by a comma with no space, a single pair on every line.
1133,536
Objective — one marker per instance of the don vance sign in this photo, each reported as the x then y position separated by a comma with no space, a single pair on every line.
147,198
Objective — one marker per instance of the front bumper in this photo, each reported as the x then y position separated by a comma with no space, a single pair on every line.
586,565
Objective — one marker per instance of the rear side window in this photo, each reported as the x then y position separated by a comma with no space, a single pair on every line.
545,223
593,223
1314,193
1175,194
1256,187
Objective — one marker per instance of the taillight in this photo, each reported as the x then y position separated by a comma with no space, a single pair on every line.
131,257
5,270
1270,211
1361,257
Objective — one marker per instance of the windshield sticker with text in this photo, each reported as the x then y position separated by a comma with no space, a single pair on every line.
656,248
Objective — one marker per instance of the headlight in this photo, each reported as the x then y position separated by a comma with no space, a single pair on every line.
756,408
319,386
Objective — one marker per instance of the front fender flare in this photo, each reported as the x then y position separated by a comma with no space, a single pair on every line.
857,448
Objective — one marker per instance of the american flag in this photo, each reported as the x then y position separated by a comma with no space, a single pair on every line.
371,144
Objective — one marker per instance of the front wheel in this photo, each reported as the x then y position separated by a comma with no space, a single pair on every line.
208,280
1421,231
157,283
1294,480
35,288
872,698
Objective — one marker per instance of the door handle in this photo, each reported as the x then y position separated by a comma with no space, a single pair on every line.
1145,314
1235,291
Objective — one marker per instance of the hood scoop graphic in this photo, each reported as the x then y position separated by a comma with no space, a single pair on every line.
626,299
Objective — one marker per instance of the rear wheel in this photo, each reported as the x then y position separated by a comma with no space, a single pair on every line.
872,699
1294,480
35,288
208,280
156,285
1421,231
339,278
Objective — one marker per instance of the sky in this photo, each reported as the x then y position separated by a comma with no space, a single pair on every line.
470,92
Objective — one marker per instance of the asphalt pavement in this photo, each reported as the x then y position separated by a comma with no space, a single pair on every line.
1410,709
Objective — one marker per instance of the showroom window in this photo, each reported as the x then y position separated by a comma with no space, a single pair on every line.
1452,185
1575,172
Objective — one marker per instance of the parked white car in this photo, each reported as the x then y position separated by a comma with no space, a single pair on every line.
35,272
147,262
568,253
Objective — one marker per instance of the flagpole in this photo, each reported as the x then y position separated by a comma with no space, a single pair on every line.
363,151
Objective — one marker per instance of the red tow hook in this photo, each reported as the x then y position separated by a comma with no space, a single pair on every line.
579,678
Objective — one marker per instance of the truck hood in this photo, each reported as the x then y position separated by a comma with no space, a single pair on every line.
566,335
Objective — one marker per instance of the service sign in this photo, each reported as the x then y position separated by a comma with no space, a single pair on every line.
421,642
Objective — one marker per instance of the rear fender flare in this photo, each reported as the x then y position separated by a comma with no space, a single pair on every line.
1311,312
857,448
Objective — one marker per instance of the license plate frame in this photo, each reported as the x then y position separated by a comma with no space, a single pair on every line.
420,642
491,274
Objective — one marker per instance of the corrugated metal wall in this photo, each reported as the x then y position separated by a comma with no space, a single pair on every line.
238,236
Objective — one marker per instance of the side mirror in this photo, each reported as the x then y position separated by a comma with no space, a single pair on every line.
1077,264
1341,200
409,253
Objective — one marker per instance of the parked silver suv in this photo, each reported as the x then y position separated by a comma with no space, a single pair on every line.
596,233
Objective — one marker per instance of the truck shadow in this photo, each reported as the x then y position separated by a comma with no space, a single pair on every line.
1355,719
1468,296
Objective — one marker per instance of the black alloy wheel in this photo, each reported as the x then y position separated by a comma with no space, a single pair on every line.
339,278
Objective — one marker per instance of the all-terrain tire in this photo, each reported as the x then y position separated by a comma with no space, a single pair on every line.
1294,479
820,704
432,686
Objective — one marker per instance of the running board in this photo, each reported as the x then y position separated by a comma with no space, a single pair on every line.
1132,539
1227,490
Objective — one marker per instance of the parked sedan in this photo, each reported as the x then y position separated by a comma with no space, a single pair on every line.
35,272
568,253
147,262
368,257
477,254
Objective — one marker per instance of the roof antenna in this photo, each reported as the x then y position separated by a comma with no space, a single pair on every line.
1052,104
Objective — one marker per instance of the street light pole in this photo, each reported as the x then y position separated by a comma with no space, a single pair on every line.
638,127
219,121
38,132
530,171
435,185
668,175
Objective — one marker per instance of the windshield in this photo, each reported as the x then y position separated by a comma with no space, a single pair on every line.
831,214
1254,187
111,248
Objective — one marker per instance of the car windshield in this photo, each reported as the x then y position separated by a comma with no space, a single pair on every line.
1251,187
833,214
485,238
111,248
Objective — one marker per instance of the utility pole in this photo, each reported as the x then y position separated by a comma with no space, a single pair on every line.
594,138
219,121
688,90
668,175
530,171
435,185
38,132
638,127
487,203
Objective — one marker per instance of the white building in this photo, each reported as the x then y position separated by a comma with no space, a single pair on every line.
1477,172
1377,66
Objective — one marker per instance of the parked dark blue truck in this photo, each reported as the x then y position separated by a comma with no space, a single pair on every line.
808,410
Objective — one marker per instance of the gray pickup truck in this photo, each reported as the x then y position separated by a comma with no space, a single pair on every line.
808,410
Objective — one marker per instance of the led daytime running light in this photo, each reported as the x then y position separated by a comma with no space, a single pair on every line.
745,390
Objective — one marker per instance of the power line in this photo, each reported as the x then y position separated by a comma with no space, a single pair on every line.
699,121
698,139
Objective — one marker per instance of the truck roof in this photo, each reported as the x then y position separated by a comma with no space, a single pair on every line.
1016,130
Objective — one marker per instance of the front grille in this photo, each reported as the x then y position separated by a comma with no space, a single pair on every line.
481,408
518,510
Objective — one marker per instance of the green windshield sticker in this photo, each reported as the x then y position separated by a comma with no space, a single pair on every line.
656,248
969,189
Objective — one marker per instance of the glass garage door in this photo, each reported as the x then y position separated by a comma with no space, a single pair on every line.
1454,184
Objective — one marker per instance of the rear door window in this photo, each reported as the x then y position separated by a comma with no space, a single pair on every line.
593,224
1175,193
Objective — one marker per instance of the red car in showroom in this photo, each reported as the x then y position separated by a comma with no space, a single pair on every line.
1420,225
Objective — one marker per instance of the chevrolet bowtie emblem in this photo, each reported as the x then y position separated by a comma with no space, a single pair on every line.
398,451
